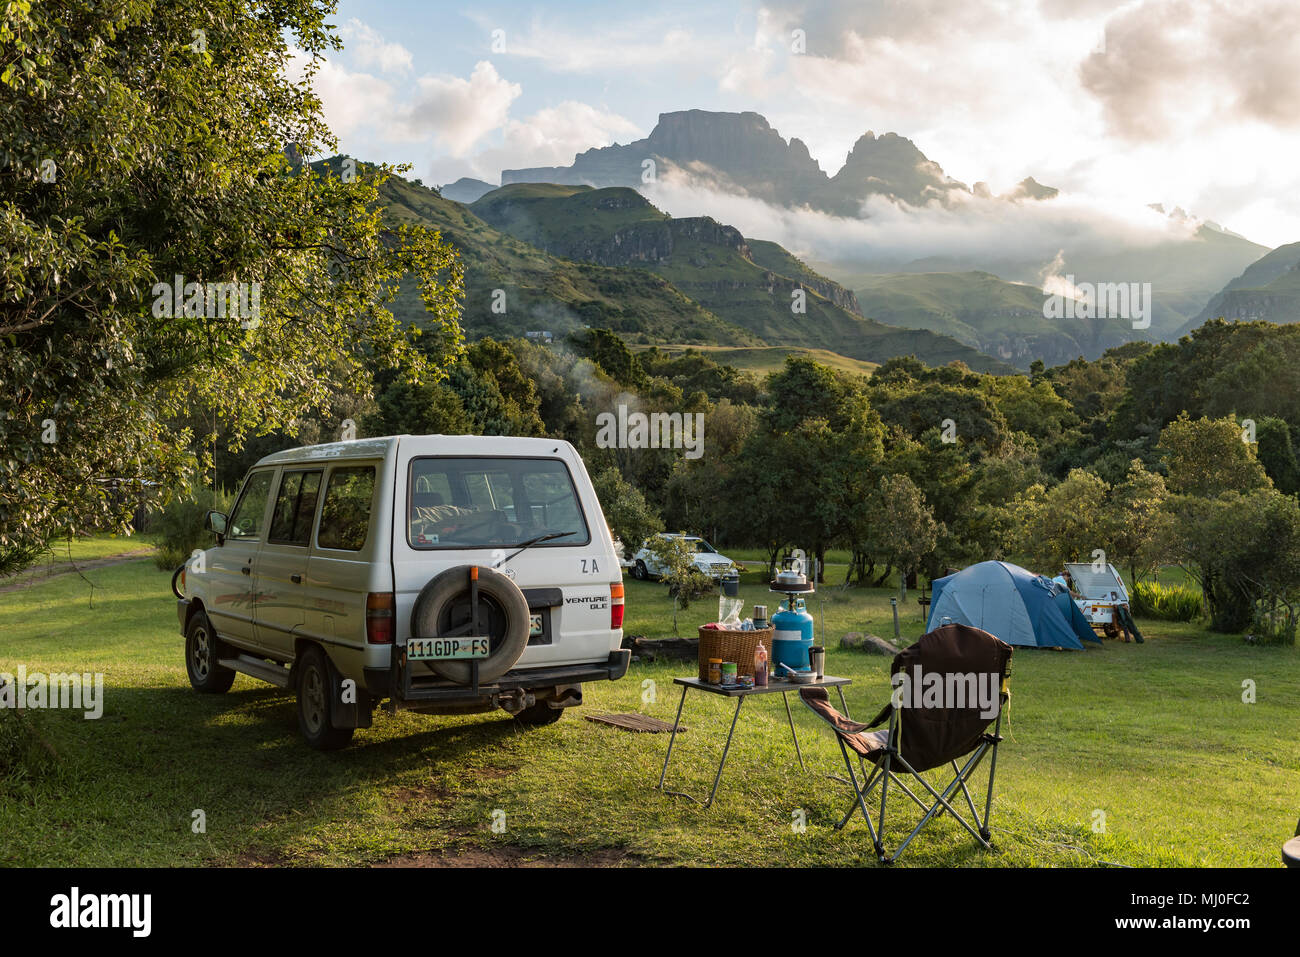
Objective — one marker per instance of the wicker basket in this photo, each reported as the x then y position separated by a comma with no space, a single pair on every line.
737,646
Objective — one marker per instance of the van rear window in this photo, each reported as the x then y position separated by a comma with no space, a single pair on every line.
345,516
492,503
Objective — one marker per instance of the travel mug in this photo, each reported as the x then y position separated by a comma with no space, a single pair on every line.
817,660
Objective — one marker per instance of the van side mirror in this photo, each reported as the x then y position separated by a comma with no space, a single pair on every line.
215,522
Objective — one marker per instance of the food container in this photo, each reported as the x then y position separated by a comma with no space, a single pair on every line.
728,672
745,681
715,671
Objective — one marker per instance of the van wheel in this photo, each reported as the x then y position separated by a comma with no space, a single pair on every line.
539,715
315,688
202,650
639,571
443,606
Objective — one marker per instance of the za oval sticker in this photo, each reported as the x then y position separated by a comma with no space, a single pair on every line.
591,566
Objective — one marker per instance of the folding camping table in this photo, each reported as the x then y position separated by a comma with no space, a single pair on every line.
773,686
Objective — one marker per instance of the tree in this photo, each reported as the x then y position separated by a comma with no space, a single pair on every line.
811,459
630,516
140,142
608,351
1241,547
1207,457
895,527
686,583
1064,523
1136,519
1277,454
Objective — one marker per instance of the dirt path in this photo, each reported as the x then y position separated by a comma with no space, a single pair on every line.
39,574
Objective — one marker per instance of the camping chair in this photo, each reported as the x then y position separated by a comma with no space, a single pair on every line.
925,734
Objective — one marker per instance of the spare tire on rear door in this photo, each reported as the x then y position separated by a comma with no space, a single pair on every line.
444,606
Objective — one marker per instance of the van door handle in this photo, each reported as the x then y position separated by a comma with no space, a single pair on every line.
247,570
296,579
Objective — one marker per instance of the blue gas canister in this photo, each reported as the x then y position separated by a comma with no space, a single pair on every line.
792,637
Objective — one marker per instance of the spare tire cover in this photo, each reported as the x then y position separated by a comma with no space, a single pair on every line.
443,604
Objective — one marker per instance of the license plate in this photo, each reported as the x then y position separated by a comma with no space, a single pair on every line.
535,627
443,649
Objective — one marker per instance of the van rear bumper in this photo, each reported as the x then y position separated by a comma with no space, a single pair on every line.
383,682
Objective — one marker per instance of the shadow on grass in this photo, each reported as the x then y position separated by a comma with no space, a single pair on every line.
157,755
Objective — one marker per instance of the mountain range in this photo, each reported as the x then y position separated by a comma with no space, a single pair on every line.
1269,289
569,278
741,154
759,287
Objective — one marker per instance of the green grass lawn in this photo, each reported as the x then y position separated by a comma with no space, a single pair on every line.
1154,736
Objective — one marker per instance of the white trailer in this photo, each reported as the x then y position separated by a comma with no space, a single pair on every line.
1101,591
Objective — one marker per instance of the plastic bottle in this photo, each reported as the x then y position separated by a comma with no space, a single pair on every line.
760,666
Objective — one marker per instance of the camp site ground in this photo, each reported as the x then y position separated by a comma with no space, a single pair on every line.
1179,751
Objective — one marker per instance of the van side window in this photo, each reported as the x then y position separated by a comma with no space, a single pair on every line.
295,508
246,519
345,516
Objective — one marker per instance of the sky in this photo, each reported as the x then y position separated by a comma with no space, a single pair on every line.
1190,103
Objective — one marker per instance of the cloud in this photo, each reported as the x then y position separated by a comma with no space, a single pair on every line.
457,113
351,102
892,235
550,137
991,92
368,48
1177,67
599,44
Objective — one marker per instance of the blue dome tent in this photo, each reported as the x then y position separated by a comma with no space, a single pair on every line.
1016,605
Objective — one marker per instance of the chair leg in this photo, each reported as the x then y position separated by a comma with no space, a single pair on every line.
853,804
975,815
941,800
884,794
858,797
993,770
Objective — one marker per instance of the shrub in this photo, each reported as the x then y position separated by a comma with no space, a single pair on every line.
178,528
1273,623
1167,602
686,583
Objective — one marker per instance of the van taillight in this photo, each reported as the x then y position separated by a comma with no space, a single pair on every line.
379,618
616,605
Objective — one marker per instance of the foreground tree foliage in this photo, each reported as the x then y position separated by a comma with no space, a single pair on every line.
143,151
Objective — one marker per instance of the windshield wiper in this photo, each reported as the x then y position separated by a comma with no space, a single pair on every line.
531,542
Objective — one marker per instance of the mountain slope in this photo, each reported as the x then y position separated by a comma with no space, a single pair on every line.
714,265
741,153
999,318
543,292
1183,273
465,189
1267,290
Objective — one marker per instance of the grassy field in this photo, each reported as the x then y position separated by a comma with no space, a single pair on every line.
1155,737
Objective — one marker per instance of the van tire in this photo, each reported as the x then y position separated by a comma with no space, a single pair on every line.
540,715
452,585
314,678
202,650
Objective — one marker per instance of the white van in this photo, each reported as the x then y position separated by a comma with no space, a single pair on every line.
445,574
